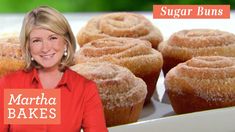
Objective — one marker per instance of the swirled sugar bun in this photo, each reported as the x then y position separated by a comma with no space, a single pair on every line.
11,56
120,25
202,83
135,54
121,92
185,44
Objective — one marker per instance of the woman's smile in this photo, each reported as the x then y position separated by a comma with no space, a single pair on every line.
46,47
47,56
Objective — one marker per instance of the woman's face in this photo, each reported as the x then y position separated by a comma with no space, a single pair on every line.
46,47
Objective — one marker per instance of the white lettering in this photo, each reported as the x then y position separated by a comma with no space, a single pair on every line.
39,100
43,113
21,113
176,13
163,13
15,100
53,114
200,11
32,113
220,12
11,112
209,12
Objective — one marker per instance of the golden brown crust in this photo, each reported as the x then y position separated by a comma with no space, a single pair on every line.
185,44
209,79
121,92
120,25
11,56
137,55
123,115
134,54
118,87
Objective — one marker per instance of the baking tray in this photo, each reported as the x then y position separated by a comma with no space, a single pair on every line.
217,120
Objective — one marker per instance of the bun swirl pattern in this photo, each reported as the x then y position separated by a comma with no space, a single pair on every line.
185,44
118,88
202,83
134,54
119,25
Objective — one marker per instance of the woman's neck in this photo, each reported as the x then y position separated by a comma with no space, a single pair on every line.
49,77
49,72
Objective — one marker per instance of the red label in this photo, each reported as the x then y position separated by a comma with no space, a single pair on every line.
32,106
191,11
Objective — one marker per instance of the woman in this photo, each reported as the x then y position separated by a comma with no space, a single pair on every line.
49,46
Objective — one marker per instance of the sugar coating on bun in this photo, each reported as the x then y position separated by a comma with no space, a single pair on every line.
211,78
120,25
186,44
118,87
10,45
137,55
11,56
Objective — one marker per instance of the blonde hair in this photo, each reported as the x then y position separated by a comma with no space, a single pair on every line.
50,19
